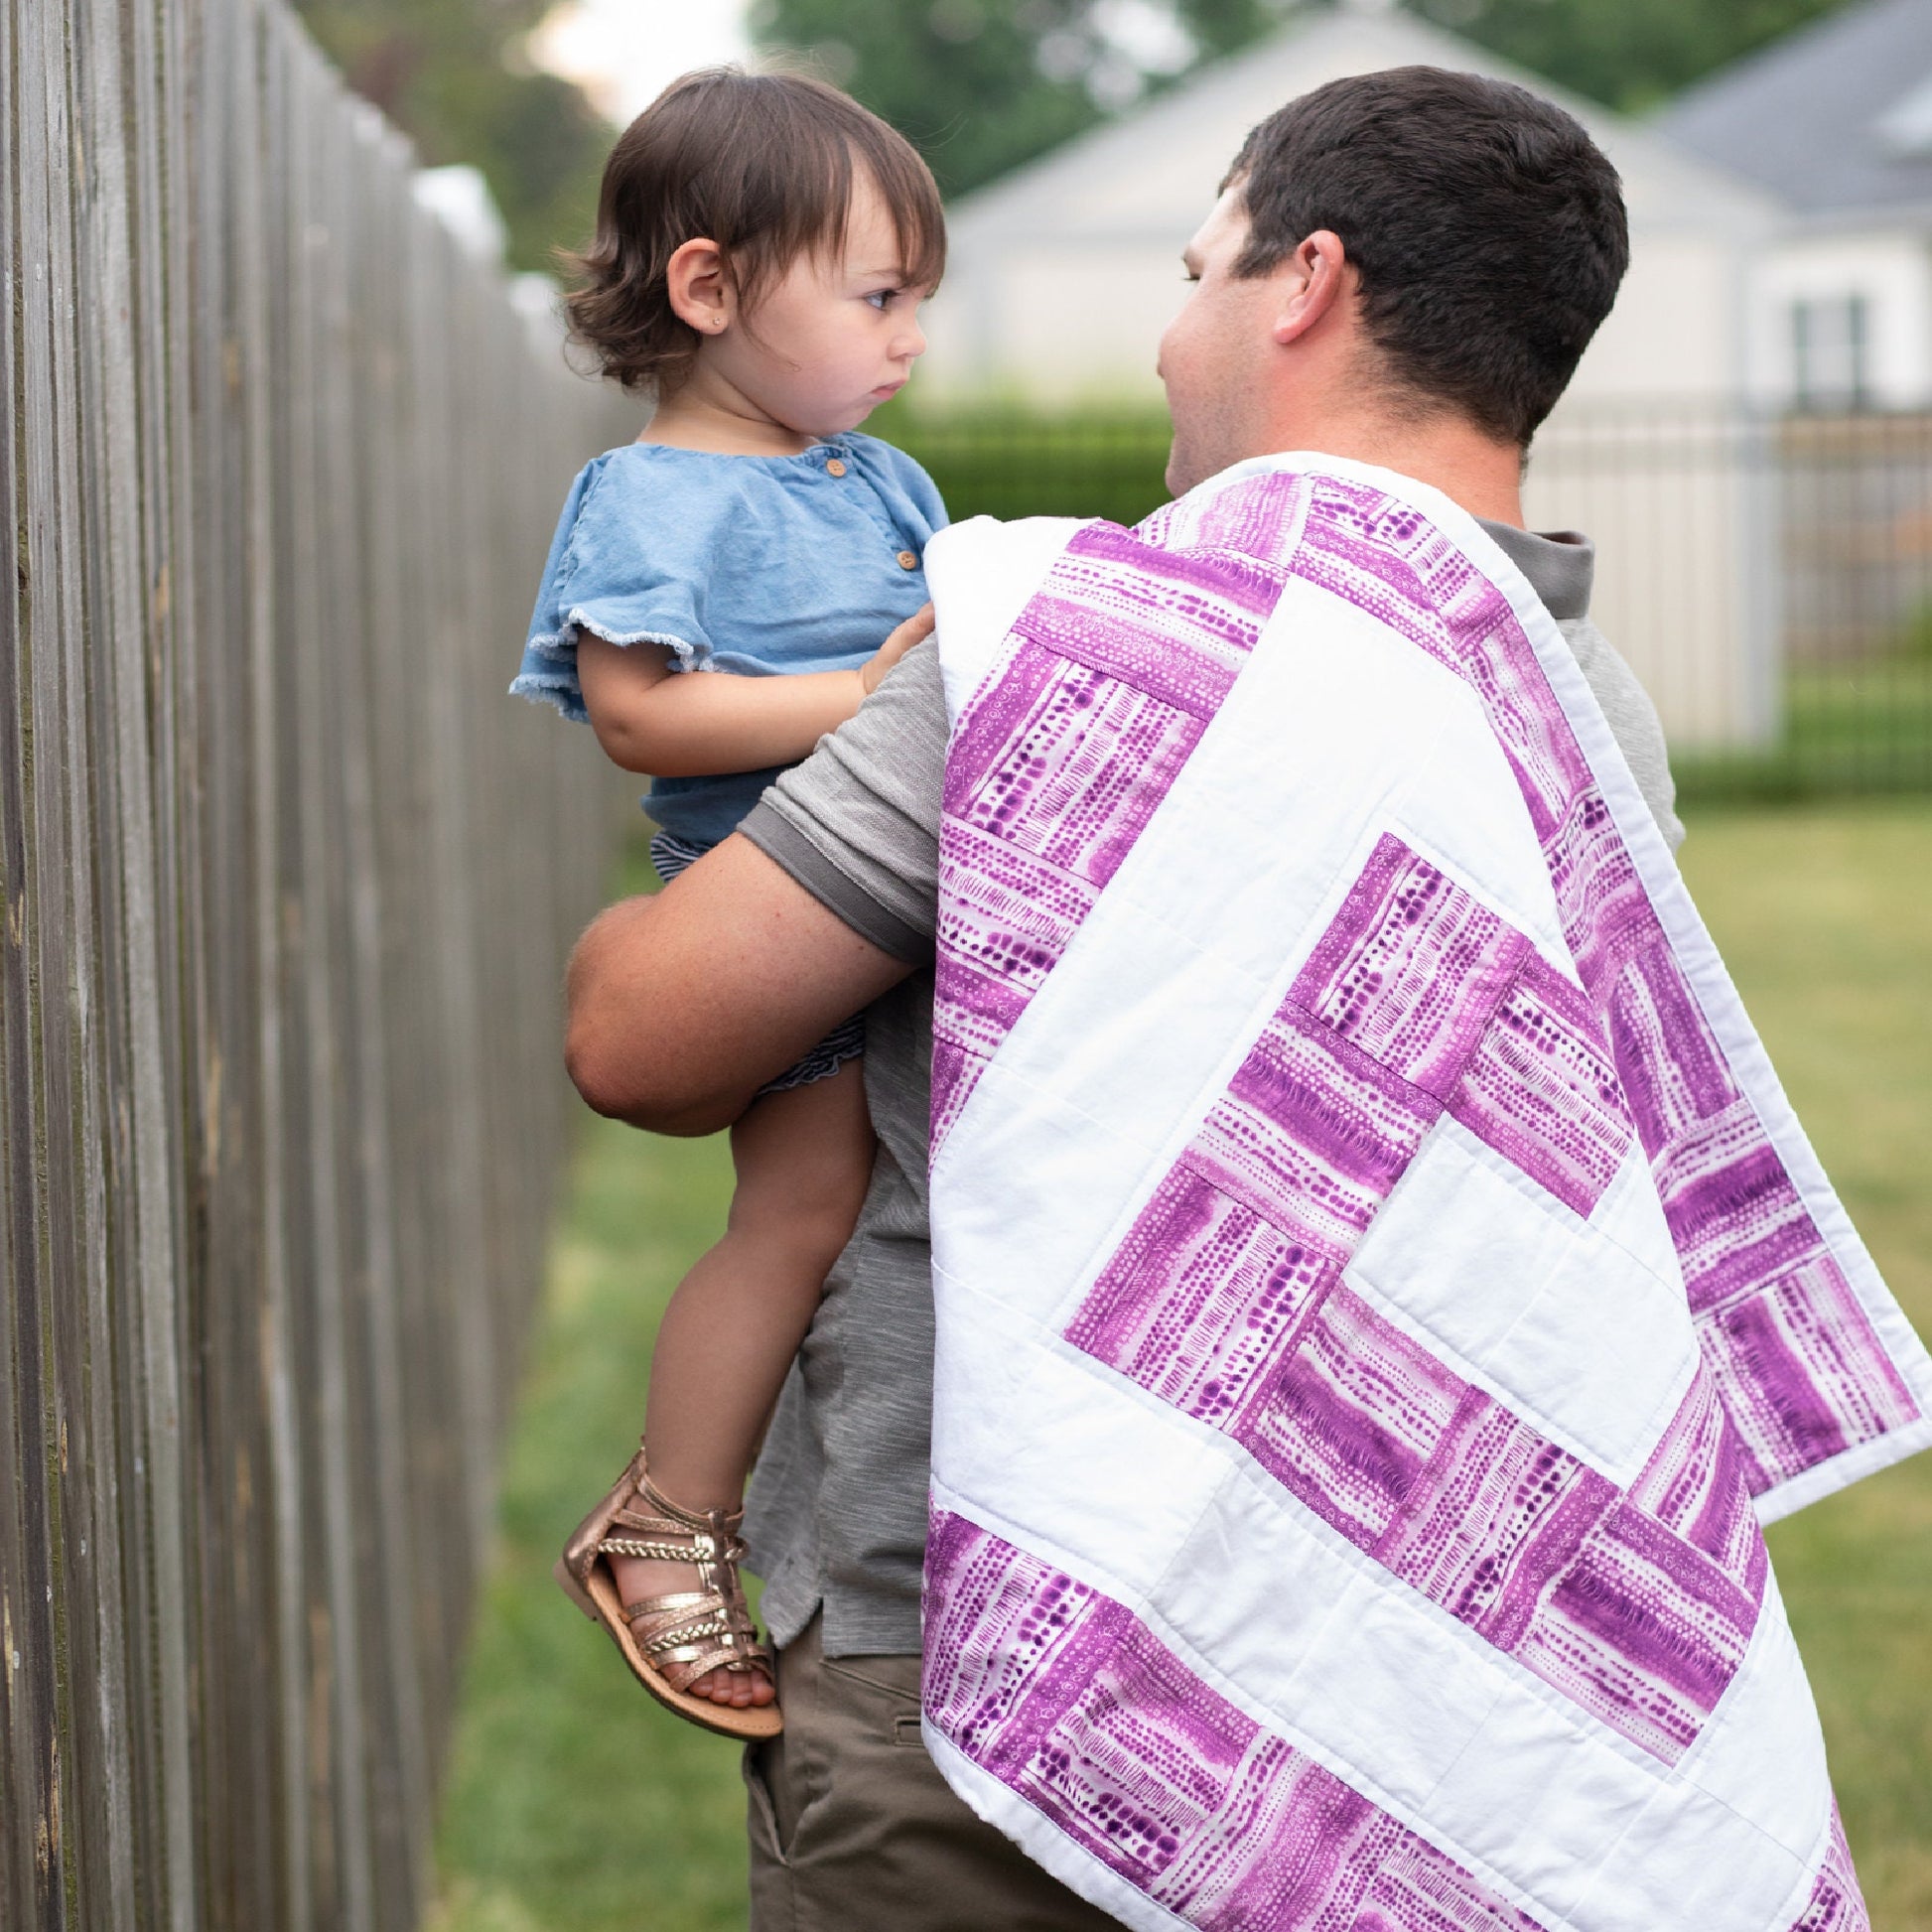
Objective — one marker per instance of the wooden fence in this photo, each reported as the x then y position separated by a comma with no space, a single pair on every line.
286,884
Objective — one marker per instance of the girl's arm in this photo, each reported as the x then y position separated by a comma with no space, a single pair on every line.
681,725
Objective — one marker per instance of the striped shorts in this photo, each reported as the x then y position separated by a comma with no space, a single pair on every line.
846,1041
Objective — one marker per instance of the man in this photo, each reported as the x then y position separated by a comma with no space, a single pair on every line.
1402,269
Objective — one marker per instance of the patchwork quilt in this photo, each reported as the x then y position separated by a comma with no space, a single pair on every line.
1382,1289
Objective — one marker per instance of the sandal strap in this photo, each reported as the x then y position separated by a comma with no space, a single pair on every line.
716,1528
664,1550
684,1537
665,1532
690,1632
719,1522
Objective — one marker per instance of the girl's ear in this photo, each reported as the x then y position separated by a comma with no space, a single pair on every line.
700,289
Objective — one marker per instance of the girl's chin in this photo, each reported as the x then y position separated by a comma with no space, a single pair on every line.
821,425
836,422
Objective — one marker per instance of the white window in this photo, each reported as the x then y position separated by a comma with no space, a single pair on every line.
1831,353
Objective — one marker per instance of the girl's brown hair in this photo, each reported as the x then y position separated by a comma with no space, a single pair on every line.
761,164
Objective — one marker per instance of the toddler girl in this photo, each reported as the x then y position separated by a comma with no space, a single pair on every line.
763,247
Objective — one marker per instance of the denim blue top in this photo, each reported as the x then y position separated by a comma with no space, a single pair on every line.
752,564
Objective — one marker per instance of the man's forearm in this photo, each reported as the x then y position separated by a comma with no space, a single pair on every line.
615,1049
683,1005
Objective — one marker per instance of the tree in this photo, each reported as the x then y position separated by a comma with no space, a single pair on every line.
448,73
979,87
1628,54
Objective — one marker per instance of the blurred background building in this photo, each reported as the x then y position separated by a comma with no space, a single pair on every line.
1064,273
1834,124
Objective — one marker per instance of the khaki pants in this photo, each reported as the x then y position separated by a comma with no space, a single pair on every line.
854,1830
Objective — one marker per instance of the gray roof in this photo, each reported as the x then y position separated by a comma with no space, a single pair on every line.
1834,118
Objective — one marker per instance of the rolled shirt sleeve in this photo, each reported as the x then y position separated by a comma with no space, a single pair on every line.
857,824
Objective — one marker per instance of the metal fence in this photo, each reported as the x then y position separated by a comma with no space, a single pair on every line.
285,888
1769,577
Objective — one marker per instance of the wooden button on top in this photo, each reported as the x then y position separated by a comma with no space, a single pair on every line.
835,468
909,560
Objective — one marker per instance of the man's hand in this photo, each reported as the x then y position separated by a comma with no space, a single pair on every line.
682,1006
914,631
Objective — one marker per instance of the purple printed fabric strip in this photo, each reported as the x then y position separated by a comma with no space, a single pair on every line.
1075,1705
1418,1007
1836,1905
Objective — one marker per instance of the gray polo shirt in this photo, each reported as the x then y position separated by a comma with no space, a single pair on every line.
837,1504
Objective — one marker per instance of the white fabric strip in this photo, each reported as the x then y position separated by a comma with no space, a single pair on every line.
1579,1328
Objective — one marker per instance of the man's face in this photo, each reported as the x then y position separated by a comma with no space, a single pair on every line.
1216,354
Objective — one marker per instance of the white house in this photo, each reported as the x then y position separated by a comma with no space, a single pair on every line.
1062,276
1833,121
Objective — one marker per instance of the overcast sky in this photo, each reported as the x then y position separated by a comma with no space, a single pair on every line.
622,52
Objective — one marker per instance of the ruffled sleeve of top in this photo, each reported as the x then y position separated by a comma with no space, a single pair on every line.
620,568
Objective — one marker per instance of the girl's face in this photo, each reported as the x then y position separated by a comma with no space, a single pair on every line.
830,341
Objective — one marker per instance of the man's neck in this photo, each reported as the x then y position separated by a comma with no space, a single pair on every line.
1479,475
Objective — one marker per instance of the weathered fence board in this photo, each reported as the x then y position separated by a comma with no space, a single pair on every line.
285,890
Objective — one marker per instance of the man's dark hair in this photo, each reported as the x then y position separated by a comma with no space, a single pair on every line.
761,164
1486,226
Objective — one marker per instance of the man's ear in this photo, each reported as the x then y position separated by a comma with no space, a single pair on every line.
1316,282
699,286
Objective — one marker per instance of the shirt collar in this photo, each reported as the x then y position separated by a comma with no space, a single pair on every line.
1560,565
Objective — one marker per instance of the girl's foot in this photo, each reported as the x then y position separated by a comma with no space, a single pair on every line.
642,1579
664,1581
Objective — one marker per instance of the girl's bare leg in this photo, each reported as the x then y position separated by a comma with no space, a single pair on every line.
804,1159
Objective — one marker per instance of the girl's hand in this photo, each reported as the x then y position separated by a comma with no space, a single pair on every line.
914,631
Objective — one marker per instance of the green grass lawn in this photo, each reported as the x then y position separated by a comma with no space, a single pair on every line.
574,1805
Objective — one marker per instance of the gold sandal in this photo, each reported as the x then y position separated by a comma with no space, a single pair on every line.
677,1637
